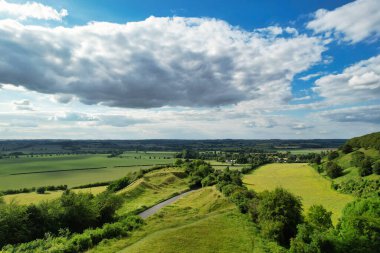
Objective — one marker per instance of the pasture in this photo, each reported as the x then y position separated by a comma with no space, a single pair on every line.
74,170
302,180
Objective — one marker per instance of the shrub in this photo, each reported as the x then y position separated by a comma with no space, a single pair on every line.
376,167
41,190
332,155
333,170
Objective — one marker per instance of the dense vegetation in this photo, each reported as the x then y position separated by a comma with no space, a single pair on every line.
366,141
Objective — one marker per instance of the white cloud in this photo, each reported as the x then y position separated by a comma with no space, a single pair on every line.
359,82
352,22
310,76
369,114
261,122
23,105
157,62
31,10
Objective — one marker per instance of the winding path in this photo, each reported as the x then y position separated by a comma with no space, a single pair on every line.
156,208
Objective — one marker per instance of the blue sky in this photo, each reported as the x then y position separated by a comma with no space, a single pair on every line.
189,69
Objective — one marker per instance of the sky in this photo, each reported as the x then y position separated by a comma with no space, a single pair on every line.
243,69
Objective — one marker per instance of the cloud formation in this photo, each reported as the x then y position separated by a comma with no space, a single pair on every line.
192,62
352,22
359,82
369,114
31,10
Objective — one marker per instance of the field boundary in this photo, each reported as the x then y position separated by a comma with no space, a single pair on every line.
52,171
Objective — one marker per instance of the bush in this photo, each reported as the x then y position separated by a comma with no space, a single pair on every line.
333,170
41,190
366,167
376,167
332,155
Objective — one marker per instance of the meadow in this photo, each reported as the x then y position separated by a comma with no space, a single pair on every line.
74,170
302,180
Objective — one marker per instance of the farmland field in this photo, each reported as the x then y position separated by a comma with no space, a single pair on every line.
33,197
73,170
303,181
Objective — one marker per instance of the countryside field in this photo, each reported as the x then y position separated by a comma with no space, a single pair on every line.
303,181
74,170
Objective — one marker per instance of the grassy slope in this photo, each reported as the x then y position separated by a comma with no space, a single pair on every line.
203,221
153,188
352,172
302,180
67,162
29,198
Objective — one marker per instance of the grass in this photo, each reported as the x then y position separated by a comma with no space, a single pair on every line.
351,172
73,170
203,221
301,180
153,188
33,197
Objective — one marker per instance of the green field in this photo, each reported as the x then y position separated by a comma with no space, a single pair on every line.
202,221
303,181
33,197
73,170
305,151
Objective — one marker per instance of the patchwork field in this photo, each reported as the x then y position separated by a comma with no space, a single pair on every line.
202,221
303,181
33,197
73,170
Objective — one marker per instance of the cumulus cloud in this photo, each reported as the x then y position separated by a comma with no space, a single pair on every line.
23,105
191,62
99,119
300,126
31,10
359,82
352,22
261,123
310,76
369,114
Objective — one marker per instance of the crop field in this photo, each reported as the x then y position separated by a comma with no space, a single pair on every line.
33,197
301,180
73,170
203,218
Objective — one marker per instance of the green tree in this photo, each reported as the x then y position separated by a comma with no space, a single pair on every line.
332,155
359,226
346,148
333,170
365,168
279,213
376,167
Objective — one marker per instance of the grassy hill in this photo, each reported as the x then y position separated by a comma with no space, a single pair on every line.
203,221
302,180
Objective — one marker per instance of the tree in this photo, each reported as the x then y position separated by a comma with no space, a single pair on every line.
346,148
279,213
359,226
41,190
333,170
319,217
376,167
317,159
366,167
332,155
357,158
